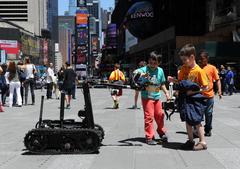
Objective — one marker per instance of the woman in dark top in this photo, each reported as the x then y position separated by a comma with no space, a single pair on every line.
60,75
5,86
69,78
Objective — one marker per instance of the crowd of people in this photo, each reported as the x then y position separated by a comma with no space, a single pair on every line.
17,78
194,88
197,83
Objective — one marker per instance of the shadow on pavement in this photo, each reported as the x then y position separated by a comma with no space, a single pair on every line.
131,108
136,139
109,108
128,142
172,145
49,152
181,132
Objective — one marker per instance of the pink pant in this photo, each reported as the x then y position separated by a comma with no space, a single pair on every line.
153,110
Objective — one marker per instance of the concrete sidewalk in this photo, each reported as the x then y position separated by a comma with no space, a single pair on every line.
123,146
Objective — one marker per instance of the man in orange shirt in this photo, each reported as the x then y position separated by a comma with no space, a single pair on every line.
116,77
212,74
192,72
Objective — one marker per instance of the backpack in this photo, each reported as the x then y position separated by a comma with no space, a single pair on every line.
21,75
3,82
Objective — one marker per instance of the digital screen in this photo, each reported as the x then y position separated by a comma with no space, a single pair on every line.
81,3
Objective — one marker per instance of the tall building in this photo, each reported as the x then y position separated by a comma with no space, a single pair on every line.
94,10
106,17
92,25
66,29
32,15
72,7
64,45
8,10
116,1
52,19
67,21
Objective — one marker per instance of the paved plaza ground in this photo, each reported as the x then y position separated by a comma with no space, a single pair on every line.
123,146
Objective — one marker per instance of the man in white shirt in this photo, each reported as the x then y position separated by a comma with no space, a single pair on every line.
50,74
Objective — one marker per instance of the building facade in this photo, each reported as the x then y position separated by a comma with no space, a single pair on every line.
37,19
213,25
94,10
66,30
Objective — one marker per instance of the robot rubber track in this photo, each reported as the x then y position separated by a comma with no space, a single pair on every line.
83,141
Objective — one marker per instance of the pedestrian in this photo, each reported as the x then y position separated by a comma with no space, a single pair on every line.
140,64
14,84
4,83
22,78
74,87
30,71
116,77
230,81
50,77
222,74
153,76
60,77
55,87
212,74
69,78
193,73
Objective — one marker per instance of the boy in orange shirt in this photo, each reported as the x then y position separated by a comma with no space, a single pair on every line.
191,71
116,77
212,74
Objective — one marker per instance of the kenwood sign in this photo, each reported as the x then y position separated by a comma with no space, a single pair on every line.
146,14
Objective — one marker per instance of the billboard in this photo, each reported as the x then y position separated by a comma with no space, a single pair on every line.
82,19
94,44
111,40
81,3
45,51
140,19
30,45
10,46
81,70
81,54
82,35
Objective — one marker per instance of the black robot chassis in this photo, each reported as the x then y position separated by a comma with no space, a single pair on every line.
66,135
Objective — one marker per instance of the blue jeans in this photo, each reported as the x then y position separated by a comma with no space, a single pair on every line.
209,115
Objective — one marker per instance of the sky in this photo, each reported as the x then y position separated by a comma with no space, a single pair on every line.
63,5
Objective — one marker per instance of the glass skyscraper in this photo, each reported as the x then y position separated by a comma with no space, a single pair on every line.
72,7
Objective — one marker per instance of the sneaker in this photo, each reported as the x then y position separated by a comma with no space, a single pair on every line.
117,105
200,146
163,137
151,142
68,106
208,134
188,145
